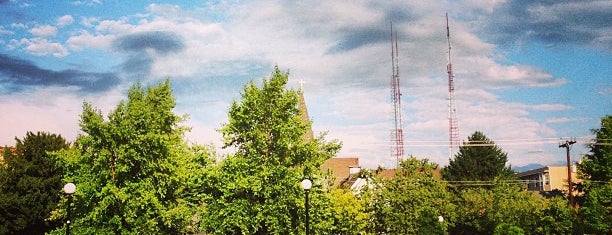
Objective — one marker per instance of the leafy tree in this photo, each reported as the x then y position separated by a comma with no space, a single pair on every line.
348,213
597,165
596,170
509,209
478,159
506,229
133,171
411,202
30,184
257,190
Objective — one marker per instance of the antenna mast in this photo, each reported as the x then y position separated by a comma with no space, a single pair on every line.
397,135
453,123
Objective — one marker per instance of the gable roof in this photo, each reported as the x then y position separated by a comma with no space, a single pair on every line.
340,168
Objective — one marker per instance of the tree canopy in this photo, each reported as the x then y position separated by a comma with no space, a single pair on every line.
596,170
411,202
256,190
478,159
597,165
504,207
30,184
133,170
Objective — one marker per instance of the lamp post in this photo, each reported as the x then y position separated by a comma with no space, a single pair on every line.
442,225
69,189
306,185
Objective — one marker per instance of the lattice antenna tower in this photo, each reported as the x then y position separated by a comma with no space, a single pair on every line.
453,123
397,134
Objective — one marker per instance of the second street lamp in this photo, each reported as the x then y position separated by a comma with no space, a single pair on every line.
306,185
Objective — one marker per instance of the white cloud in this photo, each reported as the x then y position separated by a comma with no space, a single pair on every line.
5,31
114,27
51,109
89,22
44,110
551,107
19,26
65,20
42,46
560,120
44,31
87,40
87,2
484,72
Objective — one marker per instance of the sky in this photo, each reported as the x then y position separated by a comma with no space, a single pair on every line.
527,73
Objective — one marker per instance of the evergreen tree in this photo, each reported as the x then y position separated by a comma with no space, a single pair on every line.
478,159
30,184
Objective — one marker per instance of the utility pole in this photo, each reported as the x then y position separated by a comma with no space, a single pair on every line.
567,145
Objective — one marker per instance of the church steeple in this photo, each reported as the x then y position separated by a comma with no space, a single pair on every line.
308,136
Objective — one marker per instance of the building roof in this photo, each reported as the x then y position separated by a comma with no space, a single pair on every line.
340,168
386,173
540,170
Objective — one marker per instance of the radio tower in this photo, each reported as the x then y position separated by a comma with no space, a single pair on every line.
397,135
453,123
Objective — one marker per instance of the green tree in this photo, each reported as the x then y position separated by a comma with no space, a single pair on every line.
257,190
348,213
596,170
30,184
133,171
597,165
507,208
411,202
478,159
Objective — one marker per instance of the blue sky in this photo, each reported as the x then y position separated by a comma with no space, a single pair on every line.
527,72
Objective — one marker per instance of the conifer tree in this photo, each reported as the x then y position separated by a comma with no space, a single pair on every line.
478,159
30,184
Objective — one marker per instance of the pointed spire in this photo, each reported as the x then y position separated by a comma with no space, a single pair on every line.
308,136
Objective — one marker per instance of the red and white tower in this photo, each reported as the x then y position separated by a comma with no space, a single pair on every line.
397,134
453,123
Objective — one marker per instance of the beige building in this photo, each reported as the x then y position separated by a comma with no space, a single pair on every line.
548,178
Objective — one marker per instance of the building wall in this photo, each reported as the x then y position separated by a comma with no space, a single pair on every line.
548,178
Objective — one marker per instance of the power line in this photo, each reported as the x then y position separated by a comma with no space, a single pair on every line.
503,142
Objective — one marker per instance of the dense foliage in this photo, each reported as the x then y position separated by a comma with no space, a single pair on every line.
596,170
257,190
30,184
478,159
136,175
411,202
133,171
505,207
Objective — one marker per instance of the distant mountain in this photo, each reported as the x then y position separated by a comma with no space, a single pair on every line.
527,167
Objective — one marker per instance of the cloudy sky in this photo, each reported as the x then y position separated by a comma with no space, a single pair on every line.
527,72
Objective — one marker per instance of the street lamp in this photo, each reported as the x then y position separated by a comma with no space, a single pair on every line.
69,189
306,185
